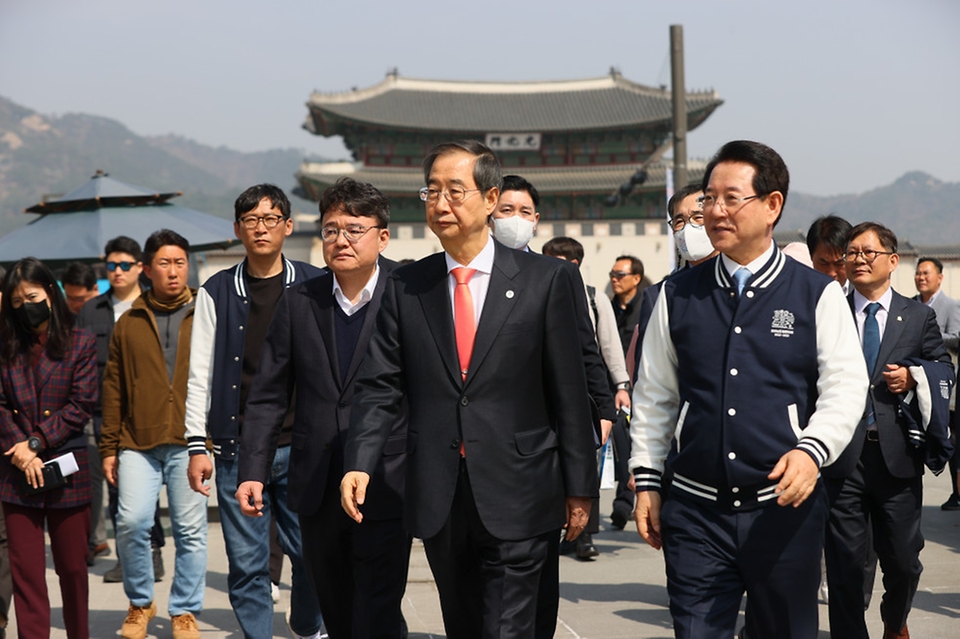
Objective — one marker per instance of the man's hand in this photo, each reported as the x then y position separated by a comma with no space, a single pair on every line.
110,469
353,490
647,516
622,400
797,473
250,497
606,427
198,472
898,379
578,513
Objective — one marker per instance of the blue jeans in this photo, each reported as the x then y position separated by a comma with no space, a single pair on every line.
247,541
140,475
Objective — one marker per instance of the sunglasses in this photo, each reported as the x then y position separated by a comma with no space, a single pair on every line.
124,266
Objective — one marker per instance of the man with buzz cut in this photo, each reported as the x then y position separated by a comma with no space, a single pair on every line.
234,309
749,384
143,445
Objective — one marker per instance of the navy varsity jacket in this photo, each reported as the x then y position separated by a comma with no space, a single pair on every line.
216,356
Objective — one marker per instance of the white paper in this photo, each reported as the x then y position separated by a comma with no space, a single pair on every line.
607,478
68,464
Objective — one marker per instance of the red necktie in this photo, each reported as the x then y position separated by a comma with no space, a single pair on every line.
465,323
463,317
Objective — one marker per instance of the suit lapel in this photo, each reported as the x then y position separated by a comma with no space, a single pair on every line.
320,291
369,321
42,372
437,310
502,294
24,380
896,319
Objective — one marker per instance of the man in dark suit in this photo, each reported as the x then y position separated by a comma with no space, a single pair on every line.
878,478
500,449
314,347
928,279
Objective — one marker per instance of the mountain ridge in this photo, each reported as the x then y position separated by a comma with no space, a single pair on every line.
43,155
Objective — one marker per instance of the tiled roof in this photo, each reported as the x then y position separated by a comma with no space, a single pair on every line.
608,102
548,180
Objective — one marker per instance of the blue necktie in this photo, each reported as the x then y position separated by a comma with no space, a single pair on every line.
741,275
871,349
871,336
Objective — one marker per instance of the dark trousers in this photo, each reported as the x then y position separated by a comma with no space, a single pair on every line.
358,571
714,556
69,530
623,502
276,552
548,594
870,496
488,587
6,584
954,462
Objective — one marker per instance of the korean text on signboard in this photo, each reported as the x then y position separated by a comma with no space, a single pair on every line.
513,141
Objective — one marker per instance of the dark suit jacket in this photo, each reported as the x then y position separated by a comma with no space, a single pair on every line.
55,399
911,332
301,353
523,411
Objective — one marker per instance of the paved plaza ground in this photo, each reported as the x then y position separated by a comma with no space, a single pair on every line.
621,594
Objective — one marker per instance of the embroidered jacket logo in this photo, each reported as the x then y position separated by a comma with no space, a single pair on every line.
782,325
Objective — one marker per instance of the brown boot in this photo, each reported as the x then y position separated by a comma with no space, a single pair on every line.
890,633
185,626
135,625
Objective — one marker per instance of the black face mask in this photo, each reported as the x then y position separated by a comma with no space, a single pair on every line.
33,314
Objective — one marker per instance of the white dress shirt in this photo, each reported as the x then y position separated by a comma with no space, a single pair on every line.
754,267
348,307
479,283
860,303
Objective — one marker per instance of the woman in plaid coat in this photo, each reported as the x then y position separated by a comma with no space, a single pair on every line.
48,387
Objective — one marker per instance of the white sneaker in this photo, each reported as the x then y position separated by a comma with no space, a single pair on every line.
275,592
319,634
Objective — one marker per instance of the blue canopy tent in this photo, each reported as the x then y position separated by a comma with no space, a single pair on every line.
78,225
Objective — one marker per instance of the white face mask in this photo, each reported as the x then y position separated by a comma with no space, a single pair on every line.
514,231
693,243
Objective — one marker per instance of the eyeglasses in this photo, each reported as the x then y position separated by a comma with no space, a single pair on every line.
729,202
695,220
869,255
124,266
353,233
251,222
454,195
619,275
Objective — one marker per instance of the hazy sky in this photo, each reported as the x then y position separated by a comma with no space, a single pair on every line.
852,93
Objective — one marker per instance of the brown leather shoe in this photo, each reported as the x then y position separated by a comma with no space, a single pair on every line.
890,633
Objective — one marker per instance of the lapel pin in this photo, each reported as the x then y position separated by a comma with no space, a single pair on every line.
509,295
899,319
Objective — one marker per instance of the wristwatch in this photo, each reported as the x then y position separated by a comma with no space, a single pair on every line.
34,444
623,386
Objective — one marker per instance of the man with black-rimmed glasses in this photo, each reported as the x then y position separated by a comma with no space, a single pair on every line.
878,480
234,310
